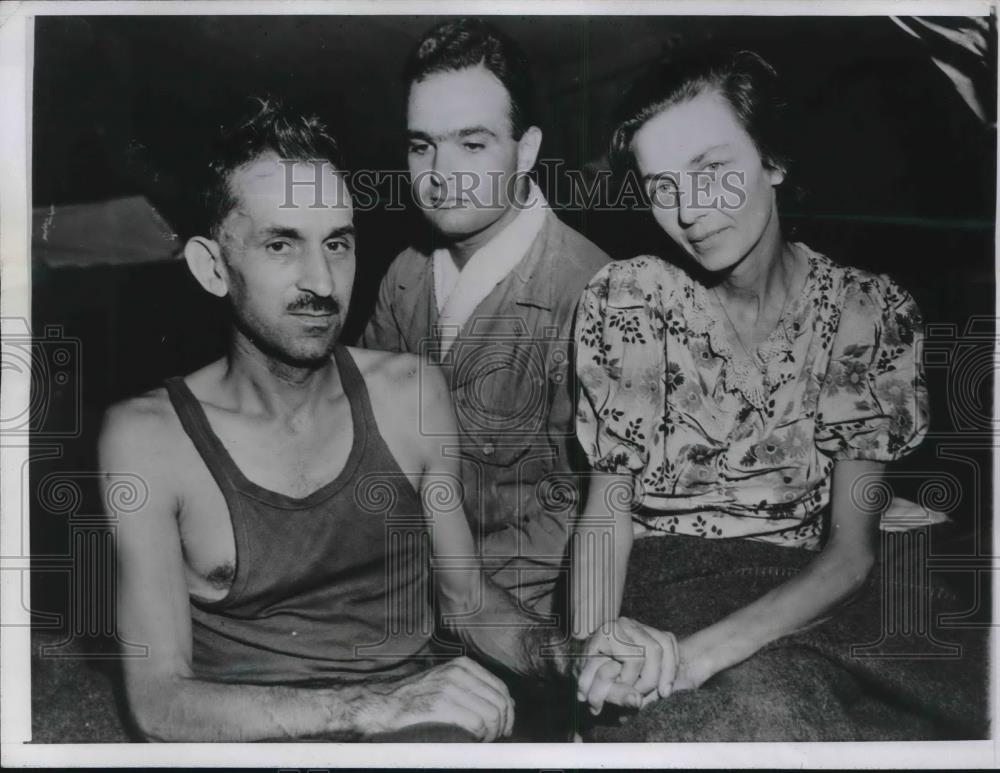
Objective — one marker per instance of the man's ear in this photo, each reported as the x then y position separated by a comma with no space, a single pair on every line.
204,259
527,149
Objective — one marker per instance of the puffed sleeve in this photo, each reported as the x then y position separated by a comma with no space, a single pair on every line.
873,400
619,368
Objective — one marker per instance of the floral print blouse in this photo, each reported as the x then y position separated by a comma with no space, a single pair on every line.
719,447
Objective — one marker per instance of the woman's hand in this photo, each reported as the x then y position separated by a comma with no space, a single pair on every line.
628,664
691,671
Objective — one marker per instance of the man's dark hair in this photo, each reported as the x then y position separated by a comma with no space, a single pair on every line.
270,128
463,43
743,78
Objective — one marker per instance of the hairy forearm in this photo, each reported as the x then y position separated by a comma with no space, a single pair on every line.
526,561
186,709
494,627
827,582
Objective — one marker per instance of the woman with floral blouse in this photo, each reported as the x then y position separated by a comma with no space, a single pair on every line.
751,394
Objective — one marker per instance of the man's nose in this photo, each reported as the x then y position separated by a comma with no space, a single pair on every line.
444,164
316,276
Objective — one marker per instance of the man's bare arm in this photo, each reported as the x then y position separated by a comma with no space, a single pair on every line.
168,701
484,616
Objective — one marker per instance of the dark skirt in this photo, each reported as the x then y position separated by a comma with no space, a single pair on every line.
884,667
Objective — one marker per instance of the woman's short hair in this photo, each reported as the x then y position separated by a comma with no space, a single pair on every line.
463,43
748,83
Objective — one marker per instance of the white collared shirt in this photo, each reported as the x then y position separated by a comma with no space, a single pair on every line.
458,292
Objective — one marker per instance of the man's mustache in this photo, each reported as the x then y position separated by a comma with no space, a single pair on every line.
316,304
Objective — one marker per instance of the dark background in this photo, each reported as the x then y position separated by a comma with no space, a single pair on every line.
899,176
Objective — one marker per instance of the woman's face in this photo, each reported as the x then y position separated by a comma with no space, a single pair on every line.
709,188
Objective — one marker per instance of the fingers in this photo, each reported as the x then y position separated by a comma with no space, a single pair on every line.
671,662
587,675
630,644
467,719
598,693
657,668
615,644
621,694
630,665
460,693
668,672
488,690
643,671
607,689
604,677
666,655
493,718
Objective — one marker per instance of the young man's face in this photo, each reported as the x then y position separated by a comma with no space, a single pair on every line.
289,269
463,158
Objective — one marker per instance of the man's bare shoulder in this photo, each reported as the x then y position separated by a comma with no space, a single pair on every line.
146,413
387,369
405,386
142,436
146,427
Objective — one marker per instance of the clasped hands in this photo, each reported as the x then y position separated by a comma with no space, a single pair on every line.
627,664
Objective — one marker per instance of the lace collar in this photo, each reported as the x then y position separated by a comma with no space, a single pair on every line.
754,382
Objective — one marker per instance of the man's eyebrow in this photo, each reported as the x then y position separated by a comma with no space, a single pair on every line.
468,131
701,156
344,230
293,233
275,230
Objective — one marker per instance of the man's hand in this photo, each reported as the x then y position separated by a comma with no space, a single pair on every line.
627,664
459,692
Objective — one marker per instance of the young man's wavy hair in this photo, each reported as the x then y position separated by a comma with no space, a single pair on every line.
463,43
269,128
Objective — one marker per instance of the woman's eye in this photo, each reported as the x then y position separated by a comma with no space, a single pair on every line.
663,194
712,168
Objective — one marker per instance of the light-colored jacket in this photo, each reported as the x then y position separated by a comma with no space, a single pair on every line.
512,379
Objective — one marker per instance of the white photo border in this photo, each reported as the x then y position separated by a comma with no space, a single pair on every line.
16,60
